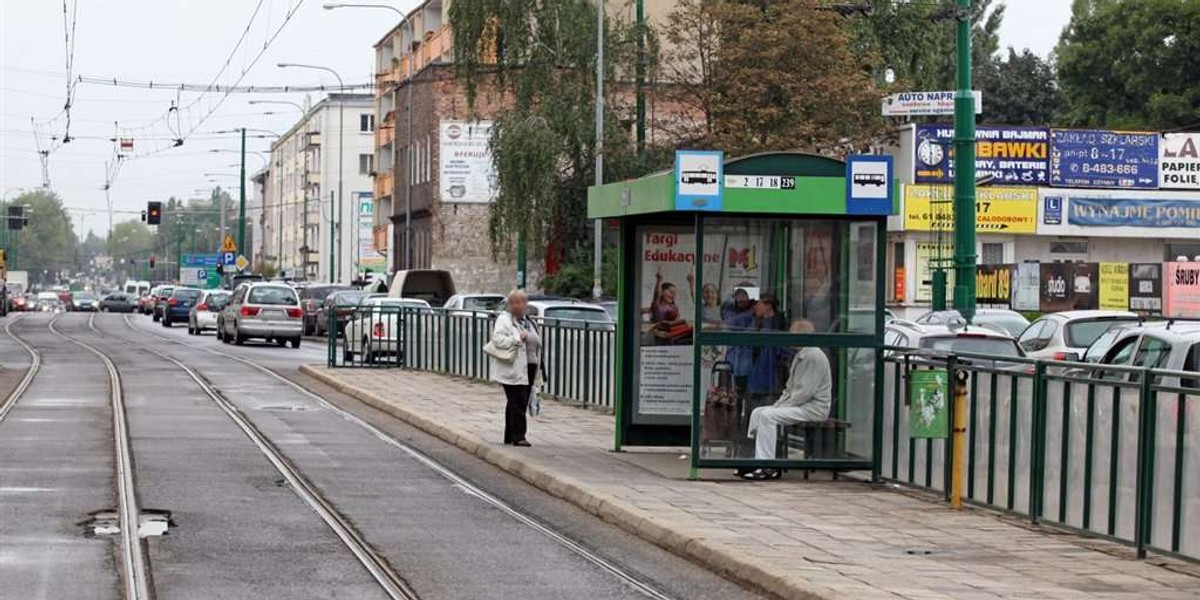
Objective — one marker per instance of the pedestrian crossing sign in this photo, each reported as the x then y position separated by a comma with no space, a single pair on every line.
228,246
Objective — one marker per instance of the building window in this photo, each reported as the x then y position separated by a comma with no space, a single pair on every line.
993,254
1060,247
366,123
366,164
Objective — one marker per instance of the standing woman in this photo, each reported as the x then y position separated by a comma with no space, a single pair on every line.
515,335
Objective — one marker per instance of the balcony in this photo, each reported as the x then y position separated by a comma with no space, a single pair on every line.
379,238
384,135
384,181
429,50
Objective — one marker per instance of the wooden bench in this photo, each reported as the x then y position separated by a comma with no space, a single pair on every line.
817,439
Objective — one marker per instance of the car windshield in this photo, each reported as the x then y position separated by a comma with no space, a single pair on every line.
1011,324
272,295
482,302
350,297
577,314
971,344
186,294
322,292
1100,347
1081,334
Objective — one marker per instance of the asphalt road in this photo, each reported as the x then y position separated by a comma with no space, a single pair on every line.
238,530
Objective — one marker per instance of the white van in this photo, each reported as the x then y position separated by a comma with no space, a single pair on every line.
431,285
136,288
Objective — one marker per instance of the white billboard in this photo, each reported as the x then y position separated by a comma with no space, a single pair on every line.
1179,161
466,172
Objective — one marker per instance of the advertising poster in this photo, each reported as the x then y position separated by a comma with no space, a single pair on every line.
993,285
1106,159
1145,288
929,404
997,209
1132,212
1026,287
1011,155
928,255
1179,161
665,297
365,255
1182,290
1085,279
466,172
1056,287
1114,286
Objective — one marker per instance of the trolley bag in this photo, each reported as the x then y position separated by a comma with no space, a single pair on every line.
720,406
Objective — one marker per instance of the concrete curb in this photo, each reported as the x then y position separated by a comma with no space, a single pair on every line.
729,562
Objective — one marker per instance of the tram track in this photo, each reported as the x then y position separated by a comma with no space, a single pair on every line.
632,580
135,573
35,365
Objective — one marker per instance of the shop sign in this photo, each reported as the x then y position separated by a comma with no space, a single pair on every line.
997,209
1145,288
1067,286
1132,212
1179,161
1183,290
1103,159
993,284
1114,286
1010,155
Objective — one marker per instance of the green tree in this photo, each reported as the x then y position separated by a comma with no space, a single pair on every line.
1019,89
47,245
540,55
916,39
1131,64
131,245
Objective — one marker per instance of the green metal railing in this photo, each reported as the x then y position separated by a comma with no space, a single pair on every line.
1108,451
577,356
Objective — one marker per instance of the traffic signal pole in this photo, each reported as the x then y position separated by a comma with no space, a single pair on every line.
964,171
241,240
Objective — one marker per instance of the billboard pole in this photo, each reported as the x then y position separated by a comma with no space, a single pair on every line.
964,170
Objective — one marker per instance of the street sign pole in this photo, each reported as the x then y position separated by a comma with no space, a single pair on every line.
964,171
241,239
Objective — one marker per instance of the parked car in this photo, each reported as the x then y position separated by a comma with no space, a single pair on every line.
1000,319
203,315
84,302
941,340
119,302
1169,345
472,303
267,311
375,329
338,305
570,314
178,306
430,285
311,299
1067,335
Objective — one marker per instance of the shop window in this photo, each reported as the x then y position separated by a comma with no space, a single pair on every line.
1069,247
992,253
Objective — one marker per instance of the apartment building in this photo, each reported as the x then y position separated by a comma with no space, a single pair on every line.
434,179
303,220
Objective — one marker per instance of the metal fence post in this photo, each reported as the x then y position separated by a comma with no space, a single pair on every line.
1144,504
1037,444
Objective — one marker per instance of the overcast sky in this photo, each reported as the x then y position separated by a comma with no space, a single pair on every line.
188,41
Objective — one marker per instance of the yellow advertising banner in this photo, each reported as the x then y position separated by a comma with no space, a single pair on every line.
997,209
1114,286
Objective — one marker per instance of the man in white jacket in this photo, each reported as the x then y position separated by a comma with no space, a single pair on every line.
806,397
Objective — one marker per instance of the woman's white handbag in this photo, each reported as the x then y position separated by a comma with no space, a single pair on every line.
507,356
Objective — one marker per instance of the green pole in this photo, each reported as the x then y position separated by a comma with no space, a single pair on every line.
964,171
641,76
521,267
241,240
332,242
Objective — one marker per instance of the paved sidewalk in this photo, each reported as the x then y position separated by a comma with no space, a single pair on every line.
795,539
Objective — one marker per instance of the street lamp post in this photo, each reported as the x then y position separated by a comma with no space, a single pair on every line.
407,21
334,273
964,171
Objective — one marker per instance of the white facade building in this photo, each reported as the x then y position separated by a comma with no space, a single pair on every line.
303,218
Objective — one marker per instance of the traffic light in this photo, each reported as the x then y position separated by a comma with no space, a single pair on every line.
143,216
153,213
16,218
153,259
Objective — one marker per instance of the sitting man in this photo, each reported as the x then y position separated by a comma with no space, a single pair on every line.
805,397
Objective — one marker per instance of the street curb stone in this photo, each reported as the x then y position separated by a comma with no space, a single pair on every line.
728,562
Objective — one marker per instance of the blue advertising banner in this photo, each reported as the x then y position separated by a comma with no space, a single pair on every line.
1106,159
1010,155
1113,212
200,260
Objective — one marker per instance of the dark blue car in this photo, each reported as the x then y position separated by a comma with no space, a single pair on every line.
179,305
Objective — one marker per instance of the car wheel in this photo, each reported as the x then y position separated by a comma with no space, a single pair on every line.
154,317
238,338
295,342
347,355
280,342
103,309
